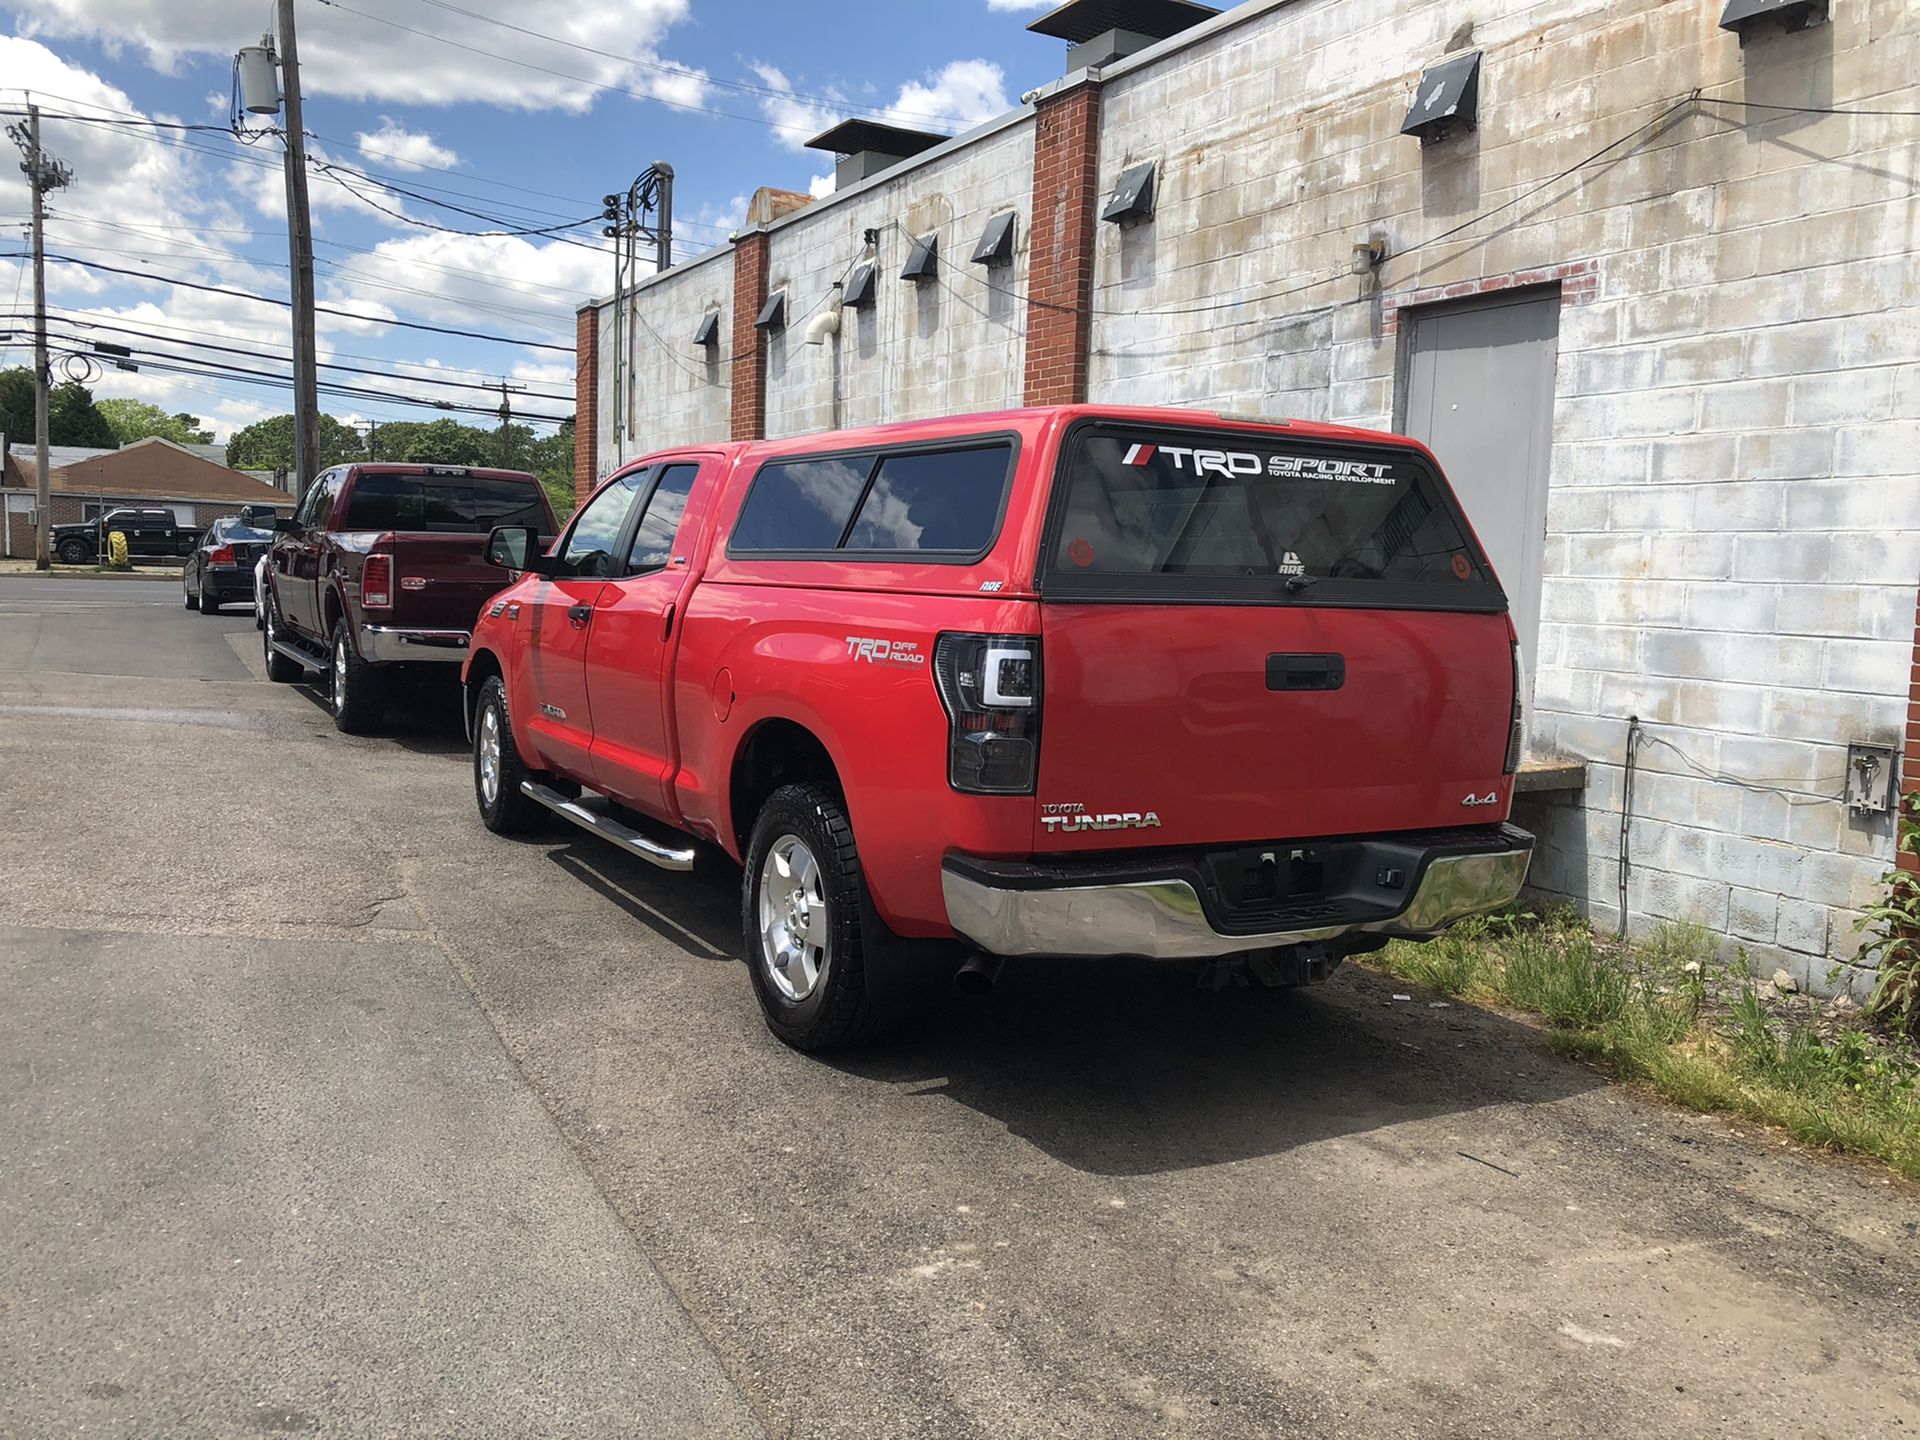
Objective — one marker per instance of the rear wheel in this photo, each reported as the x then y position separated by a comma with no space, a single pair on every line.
209,604
280,669
497,766
188,598
806,921
357,691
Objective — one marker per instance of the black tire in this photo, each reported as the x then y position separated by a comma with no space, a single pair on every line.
280,669
508,812
75,552
188,598
835,1010
356,691
209,604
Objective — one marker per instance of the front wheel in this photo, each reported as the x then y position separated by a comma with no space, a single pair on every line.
805,919
280,669
497,766
74,552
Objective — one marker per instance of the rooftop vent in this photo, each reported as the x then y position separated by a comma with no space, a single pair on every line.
1099,32
995,247
859,293
1744,17
866,147
773,314
709,331
923,260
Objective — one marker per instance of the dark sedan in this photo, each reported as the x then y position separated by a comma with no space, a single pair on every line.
220,570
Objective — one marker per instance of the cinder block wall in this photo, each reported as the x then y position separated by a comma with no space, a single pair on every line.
1733,535
949,345
682,391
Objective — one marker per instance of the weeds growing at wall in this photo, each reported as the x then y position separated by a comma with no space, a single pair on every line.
1894,942
1668,1015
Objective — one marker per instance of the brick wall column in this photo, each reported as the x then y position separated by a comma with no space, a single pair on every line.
586,403
749,342
1066,177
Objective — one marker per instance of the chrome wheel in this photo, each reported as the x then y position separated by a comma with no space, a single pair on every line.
793,918
489,755
340,675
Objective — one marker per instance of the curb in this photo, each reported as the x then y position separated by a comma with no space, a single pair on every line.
75,572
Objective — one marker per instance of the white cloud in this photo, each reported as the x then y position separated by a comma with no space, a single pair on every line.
1018,4
962,93
799,119
820,186
345,55
394,144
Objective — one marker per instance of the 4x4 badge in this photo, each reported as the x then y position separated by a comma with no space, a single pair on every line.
1490,798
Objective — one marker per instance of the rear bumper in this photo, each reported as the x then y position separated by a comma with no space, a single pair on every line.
1164,908
391,645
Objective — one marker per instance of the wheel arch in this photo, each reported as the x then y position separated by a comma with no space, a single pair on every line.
776,751
482,665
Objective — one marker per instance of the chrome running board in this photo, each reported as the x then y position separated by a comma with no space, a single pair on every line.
609,829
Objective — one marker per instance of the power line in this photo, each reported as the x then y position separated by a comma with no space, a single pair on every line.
255,354
319,309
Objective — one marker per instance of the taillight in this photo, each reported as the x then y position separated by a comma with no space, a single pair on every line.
990,686
1517,733
376,582
221,555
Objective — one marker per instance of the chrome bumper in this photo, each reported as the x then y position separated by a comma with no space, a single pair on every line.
388,645
1164,918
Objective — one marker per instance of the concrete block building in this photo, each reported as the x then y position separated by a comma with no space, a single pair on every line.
1642,272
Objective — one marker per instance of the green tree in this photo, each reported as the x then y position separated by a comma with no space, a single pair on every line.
133,420
437,442
268,444
72,417
551,458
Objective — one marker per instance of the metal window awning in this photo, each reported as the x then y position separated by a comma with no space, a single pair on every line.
1447,100
773,314
860,288
1740,16
1132,197
923,261
1079,21
996,241
709,331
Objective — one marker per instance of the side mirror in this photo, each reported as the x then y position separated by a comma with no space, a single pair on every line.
285,525
516,547
258,517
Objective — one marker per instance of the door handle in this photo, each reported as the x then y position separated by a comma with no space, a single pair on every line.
578,615
666,625
1306,672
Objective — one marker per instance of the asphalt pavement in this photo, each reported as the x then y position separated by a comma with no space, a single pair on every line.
324,1111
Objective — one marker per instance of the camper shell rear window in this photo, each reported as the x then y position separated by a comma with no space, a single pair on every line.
1144,512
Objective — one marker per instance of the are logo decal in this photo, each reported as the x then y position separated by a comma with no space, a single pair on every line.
875,651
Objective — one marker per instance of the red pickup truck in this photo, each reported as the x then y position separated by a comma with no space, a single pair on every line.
1070,681
380,569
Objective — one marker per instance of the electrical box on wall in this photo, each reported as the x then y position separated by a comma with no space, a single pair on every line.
1870,779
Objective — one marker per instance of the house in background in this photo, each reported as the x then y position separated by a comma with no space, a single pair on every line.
149,473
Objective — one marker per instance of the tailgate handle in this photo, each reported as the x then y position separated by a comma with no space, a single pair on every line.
1306,672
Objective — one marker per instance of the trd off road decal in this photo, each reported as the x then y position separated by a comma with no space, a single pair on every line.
875,651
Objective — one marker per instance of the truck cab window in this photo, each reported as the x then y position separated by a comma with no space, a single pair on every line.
653,540
591,548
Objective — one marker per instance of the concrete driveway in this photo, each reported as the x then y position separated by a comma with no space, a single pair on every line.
322,1110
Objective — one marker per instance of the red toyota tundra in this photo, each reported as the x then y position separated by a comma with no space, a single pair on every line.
1071,681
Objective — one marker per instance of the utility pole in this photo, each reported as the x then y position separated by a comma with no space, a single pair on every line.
306,394
43,174
261,95
506,424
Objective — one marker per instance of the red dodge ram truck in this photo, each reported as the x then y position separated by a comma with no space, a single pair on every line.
1070,681
381,568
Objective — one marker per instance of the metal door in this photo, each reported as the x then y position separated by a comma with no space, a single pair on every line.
1479,392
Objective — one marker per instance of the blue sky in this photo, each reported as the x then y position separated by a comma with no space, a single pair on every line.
724,90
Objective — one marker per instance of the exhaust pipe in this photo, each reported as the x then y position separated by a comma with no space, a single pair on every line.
979,974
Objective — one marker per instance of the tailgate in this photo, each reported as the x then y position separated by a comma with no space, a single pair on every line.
441,582
1252,637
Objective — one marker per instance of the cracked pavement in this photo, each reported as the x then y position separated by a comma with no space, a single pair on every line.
324,1111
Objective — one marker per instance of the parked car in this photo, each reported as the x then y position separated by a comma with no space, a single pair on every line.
220,569
380,569
1074,681
260,517
149,532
